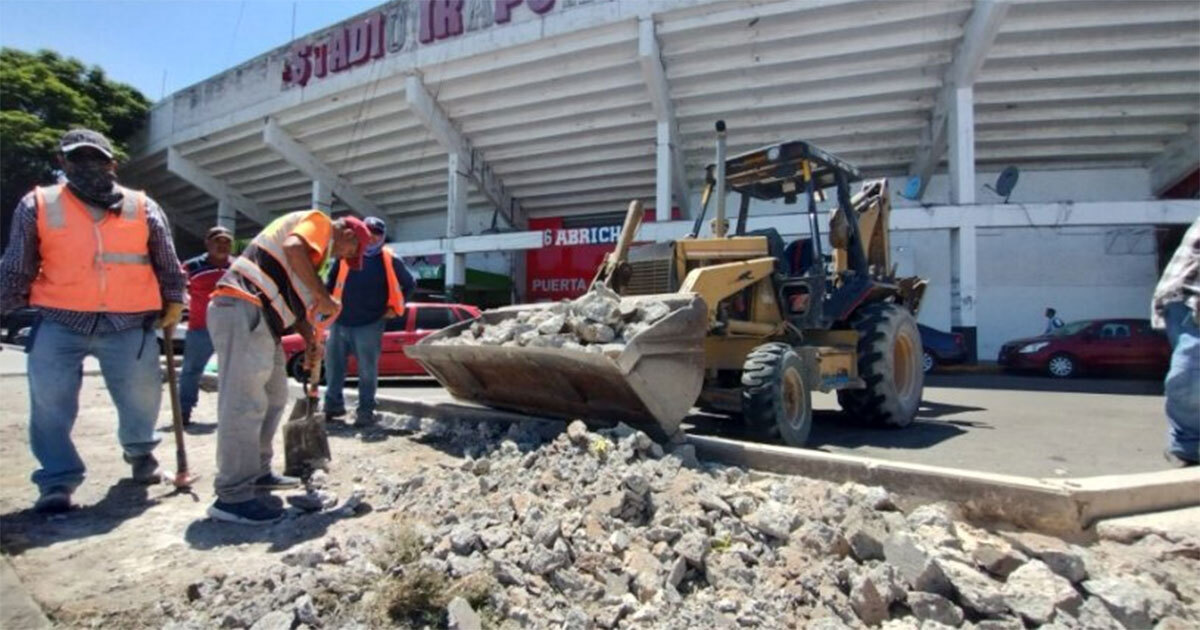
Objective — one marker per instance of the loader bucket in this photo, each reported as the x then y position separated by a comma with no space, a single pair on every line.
651,384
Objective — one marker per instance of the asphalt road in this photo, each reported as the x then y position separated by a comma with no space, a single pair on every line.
1020,425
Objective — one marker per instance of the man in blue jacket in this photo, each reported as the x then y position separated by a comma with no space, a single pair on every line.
369,298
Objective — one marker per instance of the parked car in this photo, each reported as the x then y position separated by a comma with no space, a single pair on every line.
1089,346
940,348
420,319
15,321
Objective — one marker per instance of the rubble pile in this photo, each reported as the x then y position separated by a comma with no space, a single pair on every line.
597,321
541,527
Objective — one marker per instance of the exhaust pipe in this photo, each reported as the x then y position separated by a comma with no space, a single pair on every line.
719,225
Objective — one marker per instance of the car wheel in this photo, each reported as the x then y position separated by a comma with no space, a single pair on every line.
928,362
1061,366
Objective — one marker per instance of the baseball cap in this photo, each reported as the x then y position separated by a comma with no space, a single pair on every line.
363,234
219,232
79,138
376,225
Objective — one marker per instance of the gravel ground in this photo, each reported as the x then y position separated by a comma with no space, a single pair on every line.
428,523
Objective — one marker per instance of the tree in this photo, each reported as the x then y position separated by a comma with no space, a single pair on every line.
43,95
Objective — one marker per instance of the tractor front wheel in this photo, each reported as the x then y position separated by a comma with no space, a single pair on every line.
890,362
775,398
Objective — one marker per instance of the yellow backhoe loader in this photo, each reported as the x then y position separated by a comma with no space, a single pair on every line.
755,324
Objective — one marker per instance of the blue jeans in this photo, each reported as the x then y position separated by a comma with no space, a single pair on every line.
129,364
1182,384
365,343
197,350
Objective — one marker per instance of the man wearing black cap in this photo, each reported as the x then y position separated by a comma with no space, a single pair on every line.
203,271
372,295
97,260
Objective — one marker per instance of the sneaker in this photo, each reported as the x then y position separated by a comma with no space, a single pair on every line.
273,481
334,414
1179,462
54,500
145,469
252,512
366,420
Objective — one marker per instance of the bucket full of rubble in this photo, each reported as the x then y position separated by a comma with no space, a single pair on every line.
638,359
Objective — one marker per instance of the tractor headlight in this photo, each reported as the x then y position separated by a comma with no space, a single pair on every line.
1030,348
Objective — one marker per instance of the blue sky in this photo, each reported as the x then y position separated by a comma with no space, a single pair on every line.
135,41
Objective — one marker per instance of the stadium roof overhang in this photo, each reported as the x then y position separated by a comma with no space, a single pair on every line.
558,113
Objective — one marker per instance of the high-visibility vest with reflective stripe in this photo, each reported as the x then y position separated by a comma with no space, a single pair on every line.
279,290
93,266
395,301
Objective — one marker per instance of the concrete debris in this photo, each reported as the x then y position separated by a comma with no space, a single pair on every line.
930,607
598,321
1036,593
625,536
462,616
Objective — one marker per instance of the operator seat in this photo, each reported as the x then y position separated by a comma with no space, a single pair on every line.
775,247
798,255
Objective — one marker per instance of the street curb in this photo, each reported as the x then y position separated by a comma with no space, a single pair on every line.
969,368
1060,506
18,609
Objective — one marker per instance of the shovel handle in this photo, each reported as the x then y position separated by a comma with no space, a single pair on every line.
181,464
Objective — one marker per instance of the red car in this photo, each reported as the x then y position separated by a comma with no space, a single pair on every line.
1089,346
420,320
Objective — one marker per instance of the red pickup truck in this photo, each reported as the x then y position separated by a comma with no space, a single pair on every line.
420,319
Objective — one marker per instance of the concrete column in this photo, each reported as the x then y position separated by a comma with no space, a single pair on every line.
520,276
456,225
961,155
663,174
227,216
963,282
322,197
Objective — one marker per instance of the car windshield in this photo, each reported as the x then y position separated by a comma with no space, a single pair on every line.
1071,329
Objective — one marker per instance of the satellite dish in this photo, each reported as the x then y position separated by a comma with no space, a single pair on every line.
912,189
1005,182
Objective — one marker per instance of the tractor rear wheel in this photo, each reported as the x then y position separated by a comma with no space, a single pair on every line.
889,361
775,398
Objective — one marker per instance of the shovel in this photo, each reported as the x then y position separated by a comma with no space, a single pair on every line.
305,442
183,479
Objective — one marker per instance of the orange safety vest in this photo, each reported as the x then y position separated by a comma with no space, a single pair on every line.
395,295
93,266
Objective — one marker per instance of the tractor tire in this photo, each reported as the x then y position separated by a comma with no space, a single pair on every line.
889,361
775,398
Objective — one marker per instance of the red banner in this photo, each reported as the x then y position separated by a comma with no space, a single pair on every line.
572,250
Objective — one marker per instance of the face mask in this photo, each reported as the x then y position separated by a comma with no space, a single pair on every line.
94,182
375,249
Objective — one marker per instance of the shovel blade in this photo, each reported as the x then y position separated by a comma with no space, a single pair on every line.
305,442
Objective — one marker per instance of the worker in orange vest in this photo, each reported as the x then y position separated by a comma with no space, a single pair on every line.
373,295
97,260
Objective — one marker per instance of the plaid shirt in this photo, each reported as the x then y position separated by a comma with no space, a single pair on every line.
21,262
1180,281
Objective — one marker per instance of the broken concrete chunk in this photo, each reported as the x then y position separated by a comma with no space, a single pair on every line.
916,565
651,312
975,591
934,607
1136,603
462,616
1036,593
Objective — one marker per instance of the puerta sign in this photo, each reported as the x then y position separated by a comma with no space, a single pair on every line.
401,27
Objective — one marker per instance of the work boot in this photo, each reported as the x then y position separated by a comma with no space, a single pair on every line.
252,512
1179,462
335,417
145,469
368,419
274,481
55,500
